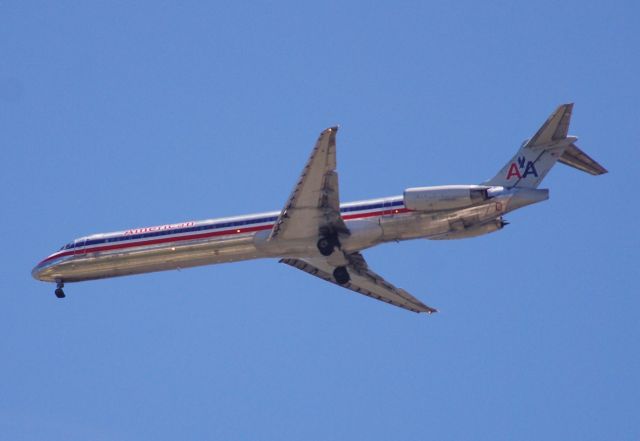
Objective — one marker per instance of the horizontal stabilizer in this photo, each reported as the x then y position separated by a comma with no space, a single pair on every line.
576,158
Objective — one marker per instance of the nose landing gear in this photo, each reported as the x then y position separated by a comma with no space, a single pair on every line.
59,292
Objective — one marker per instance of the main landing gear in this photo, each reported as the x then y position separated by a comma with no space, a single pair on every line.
326,245
341,275
59,292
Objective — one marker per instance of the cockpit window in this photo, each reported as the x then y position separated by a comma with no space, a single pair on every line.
67,246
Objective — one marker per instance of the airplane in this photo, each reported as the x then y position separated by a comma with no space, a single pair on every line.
317,234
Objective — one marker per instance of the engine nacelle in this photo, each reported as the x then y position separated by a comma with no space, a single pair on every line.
476,230
446,197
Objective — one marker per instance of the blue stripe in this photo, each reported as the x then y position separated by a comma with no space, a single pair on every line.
370,206
220,225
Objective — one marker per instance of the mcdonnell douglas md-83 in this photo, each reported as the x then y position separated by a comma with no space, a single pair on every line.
317,234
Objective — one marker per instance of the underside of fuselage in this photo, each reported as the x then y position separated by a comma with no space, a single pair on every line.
366,231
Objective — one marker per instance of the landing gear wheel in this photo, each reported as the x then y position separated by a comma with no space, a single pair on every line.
341,275
325,246
59,292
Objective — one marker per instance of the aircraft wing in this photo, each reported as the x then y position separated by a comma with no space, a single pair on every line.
363,281
314,203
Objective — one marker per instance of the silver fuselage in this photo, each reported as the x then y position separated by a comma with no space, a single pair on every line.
188,244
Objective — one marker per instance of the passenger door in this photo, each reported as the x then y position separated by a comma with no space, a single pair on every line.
78,247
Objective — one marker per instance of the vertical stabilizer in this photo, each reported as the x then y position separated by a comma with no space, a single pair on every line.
539,154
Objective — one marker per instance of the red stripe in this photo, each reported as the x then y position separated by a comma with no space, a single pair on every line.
205,235
157,241
376,213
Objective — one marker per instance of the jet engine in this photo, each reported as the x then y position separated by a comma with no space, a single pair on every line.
473,231
446,197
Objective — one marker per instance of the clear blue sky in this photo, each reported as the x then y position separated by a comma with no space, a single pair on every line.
115,115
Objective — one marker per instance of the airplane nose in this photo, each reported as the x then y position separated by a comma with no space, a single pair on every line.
36,272
44,271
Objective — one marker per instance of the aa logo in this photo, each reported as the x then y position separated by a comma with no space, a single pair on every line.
521,169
